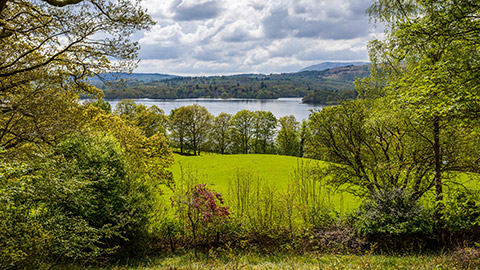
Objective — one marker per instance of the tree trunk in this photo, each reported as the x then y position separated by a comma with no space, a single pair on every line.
438,180
438,159
181,145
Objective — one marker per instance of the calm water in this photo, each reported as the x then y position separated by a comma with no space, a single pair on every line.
279,107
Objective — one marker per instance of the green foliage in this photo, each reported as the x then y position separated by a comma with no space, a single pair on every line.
190,126
368,155
24,242
78,200
48,52
38,113
393,212
253,132
104,105
93,209
150,120
222,134
427,63
288,138
264,131
70,192
461,210
126,108
242,131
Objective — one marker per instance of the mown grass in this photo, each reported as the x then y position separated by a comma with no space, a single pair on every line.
218,169
277,171
227,260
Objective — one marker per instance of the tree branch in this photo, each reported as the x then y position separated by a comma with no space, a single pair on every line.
3,4
62,3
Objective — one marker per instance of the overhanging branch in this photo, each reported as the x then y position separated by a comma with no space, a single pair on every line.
62,3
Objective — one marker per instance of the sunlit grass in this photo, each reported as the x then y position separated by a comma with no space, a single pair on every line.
226,260
276,170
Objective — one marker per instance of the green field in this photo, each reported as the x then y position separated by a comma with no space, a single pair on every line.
275,170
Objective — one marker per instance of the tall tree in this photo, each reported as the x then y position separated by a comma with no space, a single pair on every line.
288,139
220,135
198,127
126,108
178,128
48,40
431,55
193,122
264,124
373,151
151,120
38,114
48,51
242,125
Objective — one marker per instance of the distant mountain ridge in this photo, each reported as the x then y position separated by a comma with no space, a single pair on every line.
152,77
142,77
330,65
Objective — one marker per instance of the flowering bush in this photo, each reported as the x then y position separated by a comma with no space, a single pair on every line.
203,210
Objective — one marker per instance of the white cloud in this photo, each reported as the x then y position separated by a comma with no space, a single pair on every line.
237,36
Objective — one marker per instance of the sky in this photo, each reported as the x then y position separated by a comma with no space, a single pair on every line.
213,37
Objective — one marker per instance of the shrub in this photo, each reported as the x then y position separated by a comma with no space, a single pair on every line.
393,219
170,229
461,211
203,210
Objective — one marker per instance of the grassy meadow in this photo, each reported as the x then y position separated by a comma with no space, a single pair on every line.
276,171
226,260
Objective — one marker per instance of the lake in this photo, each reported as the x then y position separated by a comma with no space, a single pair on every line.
279,107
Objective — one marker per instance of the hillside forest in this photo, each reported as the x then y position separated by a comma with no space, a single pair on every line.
84,186
329,86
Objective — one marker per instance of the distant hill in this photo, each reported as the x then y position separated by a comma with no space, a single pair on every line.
330,65
140,77
324,87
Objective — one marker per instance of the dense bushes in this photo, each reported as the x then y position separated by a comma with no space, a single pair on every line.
98,201
76,201
23,238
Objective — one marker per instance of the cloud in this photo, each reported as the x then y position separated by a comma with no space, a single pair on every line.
238,36
239,31
161,53
185,11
